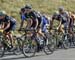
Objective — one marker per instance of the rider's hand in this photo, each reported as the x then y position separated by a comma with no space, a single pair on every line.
1,30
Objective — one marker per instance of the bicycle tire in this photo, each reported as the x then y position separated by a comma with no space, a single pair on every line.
26,43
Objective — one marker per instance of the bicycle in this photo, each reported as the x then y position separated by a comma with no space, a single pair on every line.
5,47
30,43
56,37
61,39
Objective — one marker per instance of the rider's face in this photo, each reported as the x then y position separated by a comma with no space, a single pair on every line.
27,10
1,17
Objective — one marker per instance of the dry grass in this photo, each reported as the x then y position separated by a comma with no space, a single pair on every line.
12,7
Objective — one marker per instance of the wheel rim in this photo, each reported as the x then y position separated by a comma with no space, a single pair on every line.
1,49
28,50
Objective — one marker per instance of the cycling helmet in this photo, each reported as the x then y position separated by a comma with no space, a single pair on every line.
56,13
28,7
61,8
2,13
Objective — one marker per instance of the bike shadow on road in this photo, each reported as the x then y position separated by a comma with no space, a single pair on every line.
21,57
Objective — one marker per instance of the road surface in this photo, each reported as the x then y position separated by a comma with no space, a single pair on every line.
68,54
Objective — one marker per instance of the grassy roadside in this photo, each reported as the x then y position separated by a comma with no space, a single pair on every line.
12,7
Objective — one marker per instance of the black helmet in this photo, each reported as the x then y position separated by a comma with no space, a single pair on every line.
28,7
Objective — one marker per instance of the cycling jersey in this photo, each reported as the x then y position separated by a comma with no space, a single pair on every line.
12,23
32,16
8,19
36,14
64,17
44,23
56,17
39,17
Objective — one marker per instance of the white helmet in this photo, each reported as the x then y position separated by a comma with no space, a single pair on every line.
2,13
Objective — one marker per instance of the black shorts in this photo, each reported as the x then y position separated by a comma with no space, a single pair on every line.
11,28
33,24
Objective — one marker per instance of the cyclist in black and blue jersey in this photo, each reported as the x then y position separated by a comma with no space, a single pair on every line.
8,25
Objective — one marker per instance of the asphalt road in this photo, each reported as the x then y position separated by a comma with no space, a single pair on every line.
68,54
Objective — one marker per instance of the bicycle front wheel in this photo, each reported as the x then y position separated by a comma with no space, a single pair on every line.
29,47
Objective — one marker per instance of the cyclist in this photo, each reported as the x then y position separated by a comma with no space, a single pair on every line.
30,17
8,25
71,24
42,28
33,18
63,18
55,16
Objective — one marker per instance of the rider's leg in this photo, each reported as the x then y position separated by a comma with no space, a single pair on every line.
11,39
29,23
7,39
71,33
40,32
60,28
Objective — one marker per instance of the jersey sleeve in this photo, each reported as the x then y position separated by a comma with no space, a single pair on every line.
23,17
44,21
7,19
34,15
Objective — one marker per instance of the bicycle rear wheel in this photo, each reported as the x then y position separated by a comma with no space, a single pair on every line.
65,41
48,48
49,45
2,48
18,43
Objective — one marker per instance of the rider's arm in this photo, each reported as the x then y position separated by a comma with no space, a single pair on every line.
8,25
59,24
22,21
36,23
7,22
29,23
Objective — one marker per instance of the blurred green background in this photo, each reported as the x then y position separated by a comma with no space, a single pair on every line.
12,7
